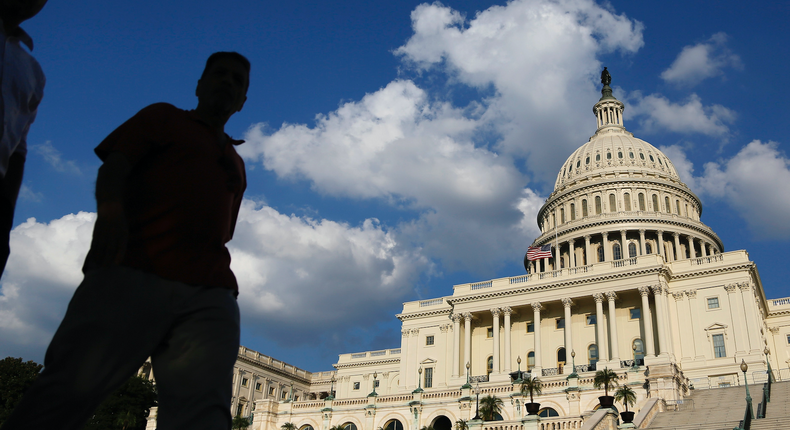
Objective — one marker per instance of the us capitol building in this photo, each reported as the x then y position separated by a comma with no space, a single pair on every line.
637,284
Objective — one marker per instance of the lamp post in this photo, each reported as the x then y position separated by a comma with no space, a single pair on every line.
477,402
767,351
291,393
519,380
634,366
419,378
744,368
375,374
467,385
573,363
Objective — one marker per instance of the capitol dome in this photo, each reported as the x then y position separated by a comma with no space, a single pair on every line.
618,197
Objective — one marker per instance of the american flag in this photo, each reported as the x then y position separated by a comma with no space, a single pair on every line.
538,252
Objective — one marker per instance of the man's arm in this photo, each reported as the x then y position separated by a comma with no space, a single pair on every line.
111,231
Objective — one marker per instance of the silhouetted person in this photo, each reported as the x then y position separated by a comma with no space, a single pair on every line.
157,278
22,83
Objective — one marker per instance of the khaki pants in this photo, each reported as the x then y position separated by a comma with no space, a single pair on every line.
117,318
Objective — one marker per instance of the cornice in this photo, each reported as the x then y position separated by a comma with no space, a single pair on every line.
273,369
366,363
720,269
403,317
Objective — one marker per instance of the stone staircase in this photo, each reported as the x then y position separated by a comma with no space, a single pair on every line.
723,409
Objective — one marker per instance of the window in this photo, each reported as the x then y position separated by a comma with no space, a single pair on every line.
627,201
587,161
428,383
612,203
718,346
258,386
648,248
548,412
584,207
677,206
591,319
597,205
600,254
530,360
667,207
573,211
296,398
639,349
429,340
376,383
641,198
490,332
560,323
597,157
356,385
713,302
617,251
530,327
562,215
271,391
655,203
619,154
641,156
631,250
592,353
635,313
788,339
489,365
244,382
651,158
282,394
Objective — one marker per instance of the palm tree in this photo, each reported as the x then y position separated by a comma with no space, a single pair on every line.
625,395
337,427
605,378
240,423
490,407
427,428
288,426
461,425
532,386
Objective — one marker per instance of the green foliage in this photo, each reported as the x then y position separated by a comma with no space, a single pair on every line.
337,427
242,423
490,406
605,379
127,408
532,386
625,395
427,428
16,376
288,426
461,425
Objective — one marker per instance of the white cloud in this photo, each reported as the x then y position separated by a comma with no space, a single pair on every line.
752,182
51,155
27,194
696,63
656,113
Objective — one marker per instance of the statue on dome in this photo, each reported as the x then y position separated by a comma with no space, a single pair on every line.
606,78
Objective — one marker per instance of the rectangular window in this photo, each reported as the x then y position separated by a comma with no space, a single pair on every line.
635,313
627,201
356,385
271,391
531,329
713,302
376,383
718,346
788,339
428,340
428,377
560,323
244,382
591,319
573,211
258,386
490,332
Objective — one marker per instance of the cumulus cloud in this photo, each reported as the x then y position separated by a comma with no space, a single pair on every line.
748,183
52,155
655,113
696,63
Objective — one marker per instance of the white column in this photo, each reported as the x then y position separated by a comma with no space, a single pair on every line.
603,353
642,249
703,248
567,303
684,320
467,338
571,254
507,311
692,251
623,246
536,307
751,316
612,296
650,350
456,343
405,352
660,236
674,325
495,314
696,328
663,342
678,254
587,249
607,253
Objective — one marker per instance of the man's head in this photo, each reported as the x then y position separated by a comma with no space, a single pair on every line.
224,82
14,12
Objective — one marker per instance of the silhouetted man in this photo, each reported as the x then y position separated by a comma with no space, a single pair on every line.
157,278
22,83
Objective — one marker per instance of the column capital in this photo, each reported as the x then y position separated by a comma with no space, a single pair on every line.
641,231
506,310
611,295
676,234
660,232
444,328
587,237
456,317
570,241
623,231
405,332
644,291
730,288
657,289
467,316
745,286
495,312
678,296
692,294
605,235
415,332
598,297
536,306
567,302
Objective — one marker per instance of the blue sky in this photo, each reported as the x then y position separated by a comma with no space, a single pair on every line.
397,148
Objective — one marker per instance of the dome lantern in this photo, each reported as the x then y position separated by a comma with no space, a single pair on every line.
608,111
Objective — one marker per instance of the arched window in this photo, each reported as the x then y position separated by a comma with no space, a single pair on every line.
600,254
655,203
619,154
639,349
548,412
393,425
616,250
573,211
553,220
667,206
627,202
592,353
597,205
597,157
490,365
631,250
306,427
608,155
648,248
561,357
612,203
562,262
530,360
349,426
677,206
641,202
562,215
584,207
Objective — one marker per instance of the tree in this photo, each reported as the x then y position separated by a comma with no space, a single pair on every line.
532,386
625,395
288,426
461,425
605,378
427,428
127,408
337,427
16,376
490,407
240,423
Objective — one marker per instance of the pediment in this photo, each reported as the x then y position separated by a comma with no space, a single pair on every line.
428,361
716,326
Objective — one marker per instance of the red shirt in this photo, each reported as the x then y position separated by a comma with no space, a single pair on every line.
182,196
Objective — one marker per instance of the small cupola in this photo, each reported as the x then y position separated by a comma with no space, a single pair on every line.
608,111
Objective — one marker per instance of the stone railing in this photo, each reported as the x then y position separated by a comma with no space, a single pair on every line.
560,423
432,302
396,398
308,405
481,378
480,285
706,260
780,302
